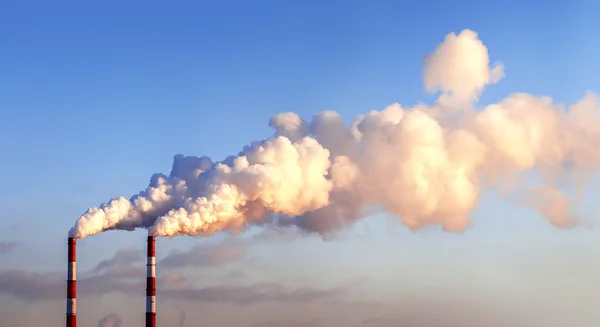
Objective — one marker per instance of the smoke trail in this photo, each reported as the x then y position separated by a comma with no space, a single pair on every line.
426,164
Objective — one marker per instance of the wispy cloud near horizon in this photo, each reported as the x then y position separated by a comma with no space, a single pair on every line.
121,274
6,247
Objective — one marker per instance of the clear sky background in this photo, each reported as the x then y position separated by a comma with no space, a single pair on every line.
96,97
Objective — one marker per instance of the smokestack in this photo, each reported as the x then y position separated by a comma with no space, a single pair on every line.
72,284
151,285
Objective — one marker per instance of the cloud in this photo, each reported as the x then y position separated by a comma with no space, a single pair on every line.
6,247
116,280
123,257
111,275
29,286
234,249
262,292
204,255
129,280
112,320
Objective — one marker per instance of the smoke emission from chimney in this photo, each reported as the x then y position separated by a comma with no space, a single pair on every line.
426,164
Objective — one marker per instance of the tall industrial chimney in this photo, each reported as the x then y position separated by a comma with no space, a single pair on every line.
72,284
151,284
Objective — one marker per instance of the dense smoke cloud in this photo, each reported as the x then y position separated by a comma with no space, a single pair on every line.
426,164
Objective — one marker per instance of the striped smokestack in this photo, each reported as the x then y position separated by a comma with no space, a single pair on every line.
72,284
151,284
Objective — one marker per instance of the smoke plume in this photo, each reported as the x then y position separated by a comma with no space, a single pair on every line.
425,164
112,320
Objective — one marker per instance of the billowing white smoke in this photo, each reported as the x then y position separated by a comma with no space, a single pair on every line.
425,164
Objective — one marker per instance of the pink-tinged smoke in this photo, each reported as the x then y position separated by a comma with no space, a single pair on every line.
425,164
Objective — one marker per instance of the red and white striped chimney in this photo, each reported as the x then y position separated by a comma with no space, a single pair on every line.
72,284
151,284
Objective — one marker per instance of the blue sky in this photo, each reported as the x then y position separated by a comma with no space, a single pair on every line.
97,97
